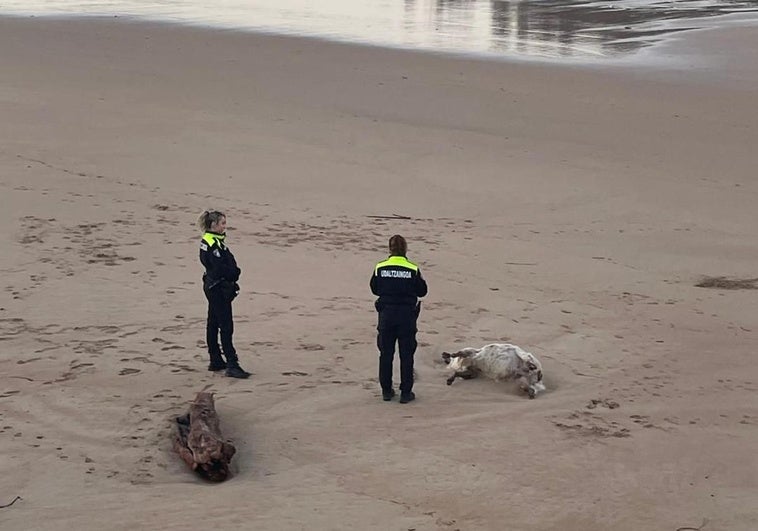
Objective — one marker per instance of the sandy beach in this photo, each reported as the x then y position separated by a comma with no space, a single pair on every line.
569,210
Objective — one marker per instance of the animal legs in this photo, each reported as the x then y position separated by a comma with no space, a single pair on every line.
466,375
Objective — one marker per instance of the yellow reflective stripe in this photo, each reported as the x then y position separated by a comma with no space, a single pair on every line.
212,239
398,261
208,238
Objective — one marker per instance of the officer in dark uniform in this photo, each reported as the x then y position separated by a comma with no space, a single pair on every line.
398,284
220,288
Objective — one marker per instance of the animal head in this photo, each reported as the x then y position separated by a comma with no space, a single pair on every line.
532,370
531,374
459,361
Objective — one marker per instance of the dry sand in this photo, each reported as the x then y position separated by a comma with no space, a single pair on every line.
568,210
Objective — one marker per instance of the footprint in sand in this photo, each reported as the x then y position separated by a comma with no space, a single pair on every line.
586,424
642,420
183,368
30,360
127,371
604,402
311,346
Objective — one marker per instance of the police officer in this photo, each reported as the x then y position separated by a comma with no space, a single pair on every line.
398,284
220,288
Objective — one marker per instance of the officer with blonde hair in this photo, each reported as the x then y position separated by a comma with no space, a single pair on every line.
398,284
220,288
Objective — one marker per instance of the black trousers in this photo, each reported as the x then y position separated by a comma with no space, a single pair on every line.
397,324
220,320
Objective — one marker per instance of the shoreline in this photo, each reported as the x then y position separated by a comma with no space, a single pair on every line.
670,52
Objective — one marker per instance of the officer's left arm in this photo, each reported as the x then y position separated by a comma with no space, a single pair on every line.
421,287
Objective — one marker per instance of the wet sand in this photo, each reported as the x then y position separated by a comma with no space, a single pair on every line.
568,210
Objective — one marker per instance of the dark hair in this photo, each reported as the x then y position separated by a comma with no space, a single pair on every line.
208,218
398,245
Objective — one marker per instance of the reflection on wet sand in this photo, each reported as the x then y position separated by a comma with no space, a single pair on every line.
548,28
561,28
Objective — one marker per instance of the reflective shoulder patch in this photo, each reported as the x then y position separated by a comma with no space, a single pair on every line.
203,246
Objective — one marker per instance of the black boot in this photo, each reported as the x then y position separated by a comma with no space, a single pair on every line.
237,372
233,369
217,363
406,397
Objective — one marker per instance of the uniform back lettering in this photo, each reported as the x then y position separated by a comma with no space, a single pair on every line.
393,273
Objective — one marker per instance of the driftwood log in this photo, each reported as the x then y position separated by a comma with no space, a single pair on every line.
199,442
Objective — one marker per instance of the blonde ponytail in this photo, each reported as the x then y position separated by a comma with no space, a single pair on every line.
208,218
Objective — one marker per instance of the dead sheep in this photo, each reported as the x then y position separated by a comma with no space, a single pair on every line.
498,361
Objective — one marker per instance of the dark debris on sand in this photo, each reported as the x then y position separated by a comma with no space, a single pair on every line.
727,283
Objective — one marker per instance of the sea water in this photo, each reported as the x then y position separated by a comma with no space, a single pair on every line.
532,28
